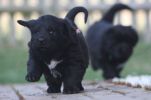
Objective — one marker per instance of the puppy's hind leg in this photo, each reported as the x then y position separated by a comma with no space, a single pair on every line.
95,63
72,81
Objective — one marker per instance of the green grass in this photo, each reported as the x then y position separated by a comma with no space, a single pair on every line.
13,64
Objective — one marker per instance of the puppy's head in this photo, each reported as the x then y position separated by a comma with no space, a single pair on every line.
49,33
120,41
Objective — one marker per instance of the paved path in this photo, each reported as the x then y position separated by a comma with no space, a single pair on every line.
93,91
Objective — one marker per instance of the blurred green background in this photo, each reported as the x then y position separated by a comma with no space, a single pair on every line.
13,64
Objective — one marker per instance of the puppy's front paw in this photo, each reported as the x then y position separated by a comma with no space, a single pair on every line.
31,77
72,90
51,90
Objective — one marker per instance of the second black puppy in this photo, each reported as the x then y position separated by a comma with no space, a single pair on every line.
110,46
57,49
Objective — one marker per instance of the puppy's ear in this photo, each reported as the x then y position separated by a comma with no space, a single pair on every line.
23,23
133,35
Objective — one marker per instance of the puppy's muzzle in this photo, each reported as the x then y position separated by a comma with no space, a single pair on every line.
41,40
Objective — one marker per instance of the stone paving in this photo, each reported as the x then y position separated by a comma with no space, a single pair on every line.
93,91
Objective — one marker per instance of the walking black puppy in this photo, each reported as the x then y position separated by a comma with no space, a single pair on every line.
57,49
110,46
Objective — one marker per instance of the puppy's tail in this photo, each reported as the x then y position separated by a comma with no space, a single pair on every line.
109,16
73,12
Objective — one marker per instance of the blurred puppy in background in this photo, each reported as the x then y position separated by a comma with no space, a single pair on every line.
110,46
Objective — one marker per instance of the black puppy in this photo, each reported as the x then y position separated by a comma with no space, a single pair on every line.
110,46
57,49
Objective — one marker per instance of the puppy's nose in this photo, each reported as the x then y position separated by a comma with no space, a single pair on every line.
41,40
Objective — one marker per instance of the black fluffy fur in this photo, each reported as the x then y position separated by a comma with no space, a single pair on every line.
110,46
57,39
